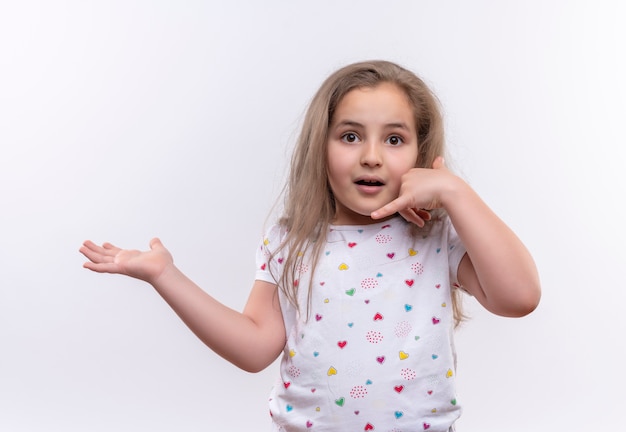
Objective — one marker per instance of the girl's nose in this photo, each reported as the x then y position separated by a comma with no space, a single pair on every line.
370,155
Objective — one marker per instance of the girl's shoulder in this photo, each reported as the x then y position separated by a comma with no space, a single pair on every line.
274,235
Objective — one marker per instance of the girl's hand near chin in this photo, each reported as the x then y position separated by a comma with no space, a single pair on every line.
422,189
497,269
145,265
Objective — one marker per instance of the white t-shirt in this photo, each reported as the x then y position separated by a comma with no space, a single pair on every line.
376,352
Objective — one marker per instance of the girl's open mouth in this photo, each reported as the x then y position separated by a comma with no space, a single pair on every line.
369,183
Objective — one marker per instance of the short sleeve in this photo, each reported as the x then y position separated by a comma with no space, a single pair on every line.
268,268
456,251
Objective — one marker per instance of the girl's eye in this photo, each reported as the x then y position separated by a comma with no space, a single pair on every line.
349,137
395,140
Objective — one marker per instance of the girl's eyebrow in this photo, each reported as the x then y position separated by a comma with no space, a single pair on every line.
355,124
348,123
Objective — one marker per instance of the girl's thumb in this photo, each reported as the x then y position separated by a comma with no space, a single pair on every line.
439,162
155,243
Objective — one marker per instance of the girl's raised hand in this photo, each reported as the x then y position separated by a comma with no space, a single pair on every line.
420,191
144,265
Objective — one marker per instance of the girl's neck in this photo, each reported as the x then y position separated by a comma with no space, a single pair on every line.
359,221
366,222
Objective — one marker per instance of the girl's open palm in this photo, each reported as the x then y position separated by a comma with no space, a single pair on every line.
144,265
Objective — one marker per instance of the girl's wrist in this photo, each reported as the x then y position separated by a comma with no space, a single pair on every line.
166,277
453,192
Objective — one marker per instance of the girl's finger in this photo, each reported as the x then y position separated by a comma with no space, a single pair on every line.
424,214
439,163
391,208
97,254
110,247
155,243
411,216
101,267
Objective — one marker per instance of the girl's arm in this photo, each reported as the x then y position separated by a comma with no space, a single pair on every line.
498,269
251,340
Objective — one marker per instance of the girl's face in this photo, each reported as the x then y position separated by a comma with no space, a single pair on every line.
372,143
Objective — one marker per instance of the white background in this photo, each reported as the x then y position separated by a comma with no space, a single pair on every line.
124,120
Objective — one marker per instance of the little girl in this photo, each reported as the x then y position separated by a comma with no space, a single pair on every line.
357,283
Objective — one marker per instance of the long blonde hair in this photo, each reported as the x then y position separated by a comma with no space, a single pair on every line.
309,205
